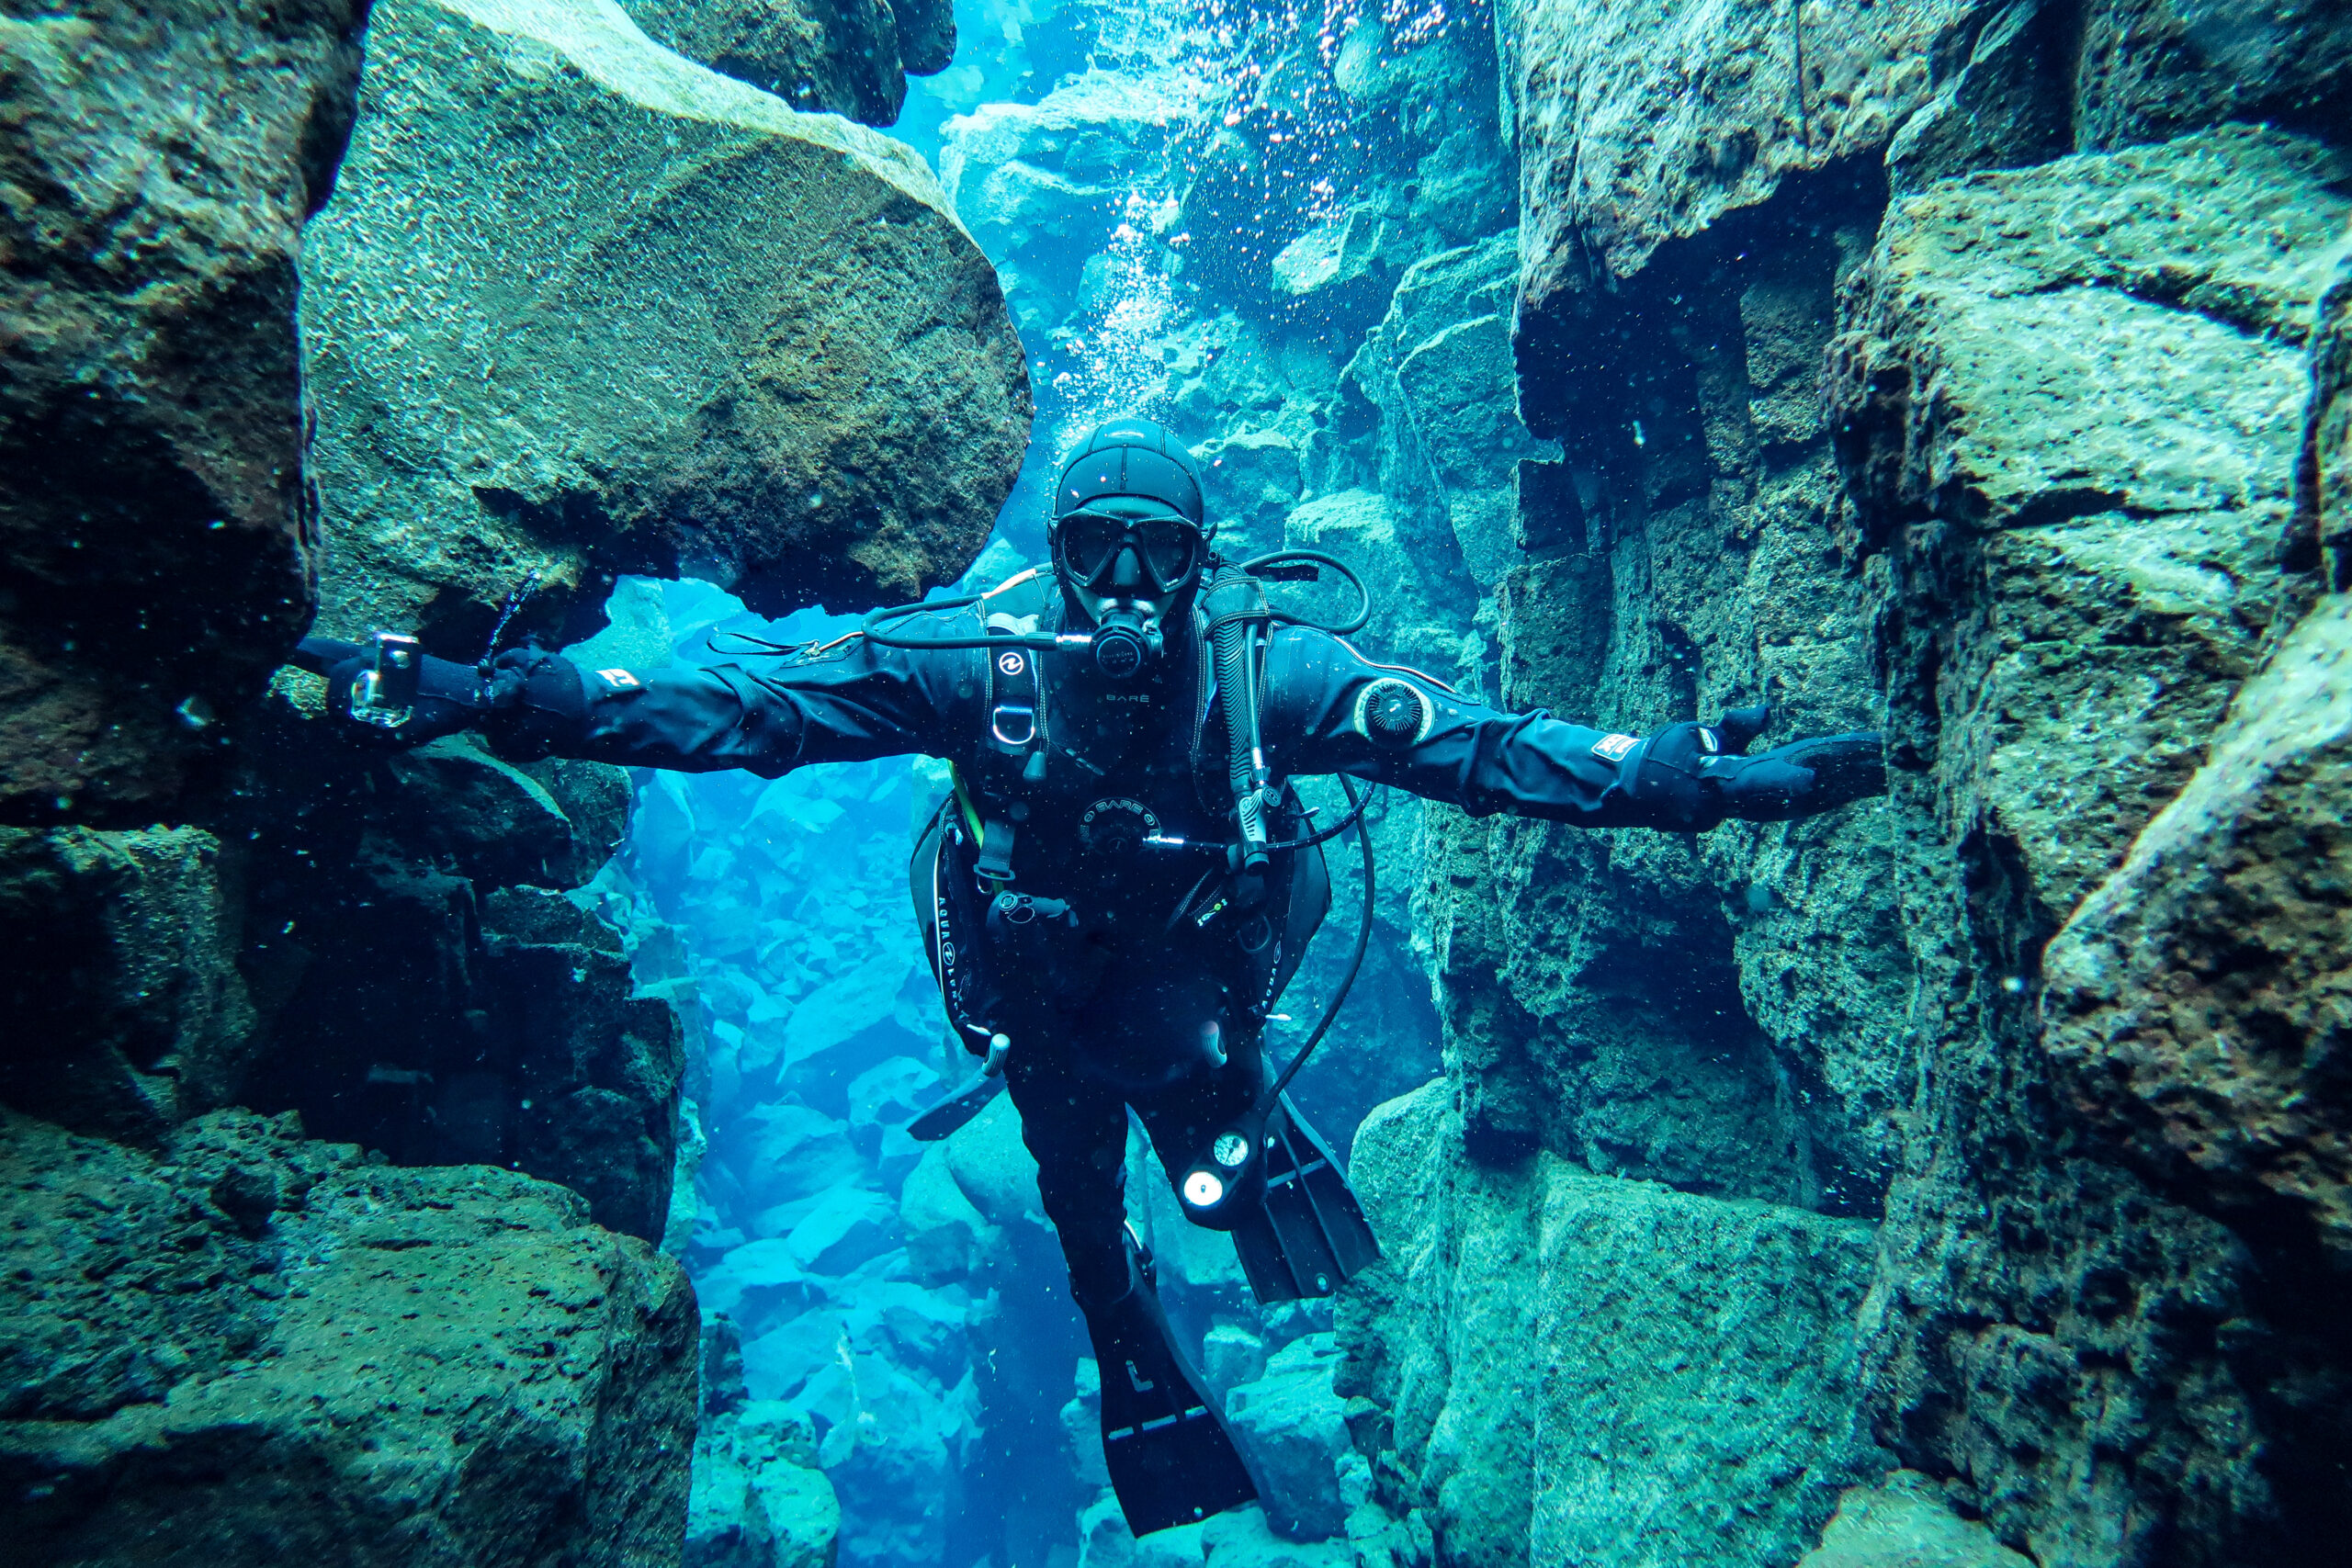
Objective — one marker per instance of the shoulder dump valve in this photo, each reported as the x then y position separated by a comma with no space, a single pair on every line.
1393,714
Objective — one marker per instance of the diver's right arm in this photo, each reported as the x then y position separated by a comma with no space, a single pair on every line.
869,702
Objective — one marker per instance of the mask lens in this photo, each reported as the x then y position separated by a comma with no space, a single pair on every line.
1167,547
1089,542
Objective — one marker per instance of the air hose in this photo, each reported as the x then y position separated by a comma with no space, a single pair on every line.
1267,1101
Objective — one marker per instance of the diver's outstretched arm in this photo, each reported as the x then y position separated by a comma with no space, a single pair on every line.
869,702
1328,709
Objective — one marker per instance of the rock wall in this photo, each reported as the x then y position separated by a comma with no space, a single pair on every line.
246,947
157,548
1973,373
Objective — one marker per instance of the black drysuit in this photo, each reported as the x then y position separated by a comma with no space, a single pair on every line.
1134,998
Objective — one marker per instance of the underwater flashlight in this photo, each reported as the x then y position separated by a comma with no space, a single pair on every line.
1202,1190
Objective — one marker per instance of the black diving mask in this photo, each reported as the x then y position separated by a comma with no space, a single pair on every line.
1087,546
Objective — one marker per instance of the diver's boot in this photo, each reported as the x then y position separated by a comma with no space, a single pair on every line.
1308,1236
1171,1460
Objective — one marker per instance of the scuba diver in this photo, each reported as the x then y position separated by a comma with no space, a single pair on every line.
1123,879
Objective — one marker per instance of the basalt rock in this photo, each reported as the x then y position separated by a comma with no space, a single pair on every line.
672,325
431,986
1922,386
252,1345
157,549
2084,545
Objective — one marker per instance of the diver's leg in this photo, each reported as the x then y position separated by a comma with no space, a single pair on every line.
1307,1235
1077,1131
1164,1440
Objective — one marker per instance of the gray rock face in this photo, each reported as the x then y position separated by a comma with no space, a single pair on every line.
2082,569
428,985
845,57
1572,1369
1901,1522
152,1021
157,550
672,326
181,1384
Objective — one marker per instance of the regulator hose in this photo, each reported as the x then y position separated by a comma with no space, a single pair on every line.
1267,1101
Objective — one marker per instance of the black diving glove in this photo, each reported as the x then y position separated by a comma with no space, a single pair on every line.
526,700
1699,775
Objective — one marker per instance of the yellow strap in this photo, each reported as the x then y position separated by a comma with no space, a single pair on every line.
964,802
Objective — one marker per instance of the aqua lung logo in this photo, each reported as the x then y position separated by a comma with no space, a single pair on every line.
1010,663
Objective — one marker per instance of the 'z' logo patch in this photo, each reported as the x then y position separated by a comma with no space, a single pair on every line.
619,680
1612,748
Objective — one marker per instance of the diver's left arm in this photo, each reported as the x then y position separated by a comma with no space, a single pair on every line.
1328,709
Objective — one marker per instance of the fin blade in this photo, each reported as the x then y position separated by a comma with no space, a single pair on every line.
955,1110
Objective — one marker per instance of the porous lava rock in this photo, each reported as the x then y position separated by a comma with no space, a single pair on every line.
2199,1001
249,1346
2124,487
581,306
157,551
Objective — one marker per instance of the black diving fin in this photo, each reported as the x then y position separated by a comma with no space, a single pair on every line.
957,1109
1172,1461
1307,1237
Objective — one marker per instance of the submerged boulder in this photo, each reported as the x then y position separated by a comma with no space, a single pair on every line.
1044,185
257,1348
583,308
1293,1427
156,547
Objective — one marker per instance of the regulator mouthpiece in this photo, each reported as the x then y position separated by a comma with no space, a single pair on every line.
1124,642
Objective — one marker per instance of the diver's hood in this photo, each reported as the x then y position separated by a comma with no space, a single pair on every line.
1137,472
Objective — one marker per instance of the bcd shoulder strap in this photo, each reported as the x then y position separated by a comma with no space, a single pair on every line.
1014,721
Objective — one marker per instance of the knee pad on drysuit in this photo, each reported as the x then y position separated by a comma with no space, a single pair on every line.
1172,1459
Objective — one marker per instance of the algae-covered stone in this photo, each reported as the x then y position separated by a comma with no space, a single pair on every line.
257,1348
846,57
1567,1367
581,306
2101,403
156,550
1290,1425
759,1500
